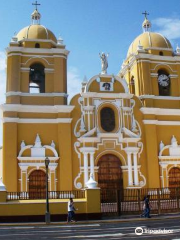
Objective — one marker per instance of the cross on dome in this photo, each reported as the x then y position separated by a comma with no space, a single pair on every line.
146,24
36,16
36,4
144,13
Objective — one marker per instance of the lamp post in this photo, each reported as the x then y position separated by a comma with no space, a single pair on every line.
47,216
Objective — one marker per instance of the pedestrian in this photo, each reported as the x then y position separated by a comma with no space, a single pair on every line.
147,206
144,208
71,211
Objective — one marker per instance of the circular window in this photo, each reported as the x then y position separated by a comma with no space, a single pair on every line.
107,119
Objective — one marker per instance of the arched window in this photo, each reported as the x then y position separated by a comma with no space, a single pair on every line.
107,119
161,53
163,83
37,45
132,85
36,78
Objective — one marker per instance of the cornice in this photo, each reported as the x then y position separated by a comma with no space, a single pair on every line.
36,120
36,109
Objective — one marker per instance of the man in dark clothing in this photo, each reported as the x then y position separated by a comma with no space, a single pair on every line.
147,207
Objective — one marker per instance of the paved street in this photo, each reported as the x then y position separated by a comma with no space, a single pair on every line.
102,230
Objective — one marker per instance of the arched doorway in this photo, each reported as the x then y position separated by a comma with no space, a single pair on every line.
110,172
174,181
174,177
37,185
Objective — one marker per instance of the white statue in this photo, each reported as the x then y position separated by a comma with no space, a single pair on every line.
104,62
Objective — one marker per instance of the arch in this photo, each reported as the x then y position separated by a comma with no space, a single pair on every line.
160,66
132,85
163,82
37,78
41,60
110,172
122,81
113,152
37,184
37,45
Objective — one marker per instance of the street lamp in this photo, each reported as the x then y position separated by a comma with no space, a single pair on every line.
47,216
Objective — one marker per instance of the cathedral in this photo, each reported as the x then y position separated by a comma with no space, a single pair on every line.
120,131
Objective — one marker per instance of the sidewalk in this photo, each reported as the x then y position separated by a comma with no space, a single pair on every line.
125,218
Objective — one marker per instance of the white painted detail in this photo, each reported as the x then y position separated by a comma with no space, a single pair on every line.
36,120
35,108
2,186
91,184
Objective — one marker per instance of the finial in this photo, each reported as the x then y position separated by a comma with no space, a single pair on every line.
60,40
36,4
145,14
146,24
178,49
36,16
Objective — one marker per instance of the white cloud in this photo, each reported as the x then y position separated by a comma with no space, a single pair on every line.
169,27
73,82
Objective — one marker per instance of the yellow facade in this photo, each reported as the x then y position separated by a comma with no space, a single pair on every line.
122,131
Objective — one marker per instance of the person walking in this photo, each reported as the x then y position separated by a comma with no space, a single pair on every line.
71,211
147,206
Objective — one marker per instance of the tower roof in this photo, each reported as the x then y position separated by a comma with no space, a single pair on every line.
149,39
36,30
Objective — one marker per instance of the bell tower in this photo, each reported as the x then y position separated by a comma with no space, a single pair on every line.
36,105
36,66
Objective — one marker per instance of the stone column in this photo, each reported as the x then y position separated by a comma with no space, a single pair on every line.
24,187
52,176
130,178
136,179
92,163
85,168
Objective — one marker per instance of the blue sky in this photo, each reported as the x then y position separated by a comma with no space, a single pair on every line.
89,27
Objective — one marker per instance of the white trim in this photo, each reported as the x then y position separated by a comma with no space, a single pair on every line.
160,111
36,159
120,80
107,95
49,70
158,97
23,94
35,108
162,123
40,120
37,50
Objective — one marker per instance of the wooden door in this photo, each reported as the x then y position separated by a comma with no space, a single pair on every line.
174,177
37,185
110,173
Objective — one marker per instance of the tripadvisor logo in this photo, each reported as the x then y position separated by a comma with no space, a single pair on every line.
138,231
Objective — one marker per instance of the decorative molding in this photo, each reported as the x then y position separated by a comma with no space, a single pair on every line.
23,94
158,97
37,120
36,109
38,50
162,123
107,95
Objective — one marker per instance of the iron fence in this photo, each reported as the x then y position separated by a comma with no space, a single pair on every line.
42,195
130,201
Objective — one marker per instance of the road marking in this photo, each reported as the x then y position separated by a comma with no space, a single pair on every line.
96,236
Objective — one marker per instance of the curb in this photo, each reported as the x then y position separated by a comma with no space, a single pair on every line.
115,220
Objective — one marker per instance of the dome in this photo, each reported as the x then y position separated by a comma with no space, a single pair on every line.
36,32
149,40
